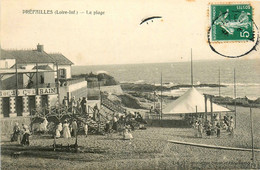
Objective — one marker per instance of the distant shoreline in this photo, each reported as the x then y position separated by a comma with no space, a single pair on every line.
145,87
145,91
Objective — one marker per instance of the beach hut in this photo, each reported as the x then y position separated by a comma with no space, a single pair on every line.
192,102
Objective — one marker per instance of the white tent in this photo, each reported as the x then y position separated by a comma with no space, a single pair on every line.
187,104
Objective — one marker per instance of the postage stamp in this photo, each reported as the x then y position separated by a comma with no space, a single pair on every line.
231,22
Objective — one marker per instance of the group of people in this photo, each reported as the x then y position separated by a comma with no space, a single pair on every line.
67,130
113,126
229,124
124,124
21,134
214,127
74,104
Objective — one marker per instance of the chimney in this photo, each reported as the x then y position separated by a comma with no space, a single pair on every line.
39,48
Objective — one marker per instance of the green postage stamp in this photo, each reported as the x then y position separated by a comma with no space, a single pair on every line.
231,22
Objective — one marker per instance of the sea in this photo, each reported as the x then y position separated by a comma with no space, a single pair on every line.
244,74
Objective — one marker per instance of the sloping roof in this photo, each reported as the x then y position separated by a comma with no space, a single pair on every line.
42,67
34,56
187,104
6,55
61,59
27,56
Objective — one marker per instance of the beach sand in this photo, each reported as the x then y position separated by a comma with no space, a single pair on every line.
148,150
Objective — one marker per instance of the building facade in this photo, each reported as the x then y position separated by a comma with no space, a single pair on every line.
35,79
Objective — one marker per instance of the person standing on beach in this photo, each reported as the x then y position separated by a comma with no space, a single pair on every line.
66,130
231,126
73,105
16,132
196,126
108,129
86,129
79,105
74,128
26,134
83,104
65,102
218,129
58,130
200,130
115,123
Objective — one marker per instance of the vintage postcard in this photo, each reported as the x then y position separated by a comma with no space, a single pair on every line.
130,84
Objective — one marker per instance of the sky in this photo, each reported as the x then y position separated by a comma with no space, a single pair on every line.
116,36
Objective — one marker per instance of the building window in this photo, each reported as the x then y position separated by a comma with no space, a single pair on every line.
63,73
41,79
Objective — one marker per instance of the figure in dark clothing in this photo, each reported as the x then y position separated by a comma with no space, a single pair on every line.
207,128
108,129
218,130
83,105
26,134
16,133
115,124
226,121
95,113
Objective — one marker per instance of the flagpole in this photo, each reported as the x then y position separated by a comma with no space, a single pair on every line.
191,70
161,96
154,98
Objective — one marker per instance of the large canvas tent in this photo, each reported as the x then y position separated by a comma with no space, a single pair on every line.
191,102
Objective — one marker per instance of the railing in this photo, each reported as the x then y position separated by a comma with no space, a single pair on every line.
67,82
45,112
99,113
112,106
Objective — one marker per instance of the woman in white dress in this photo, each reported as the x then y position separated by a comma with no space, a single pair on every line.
66,130
43,125
127,135
86,129
58,130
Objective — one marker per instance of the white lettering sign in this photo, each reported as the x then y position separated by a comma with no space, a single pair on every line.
42,91
26,92
7,93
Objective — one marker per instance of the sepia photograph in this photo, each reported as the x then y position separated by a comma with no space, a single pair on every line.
137,85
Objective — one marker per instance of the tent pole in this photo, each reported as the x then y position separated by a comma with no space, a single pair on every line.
205,97
211,109
251,122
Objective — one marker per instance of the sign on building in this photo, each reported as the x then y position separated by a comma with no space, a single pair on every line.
26,92
7,93
42,91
